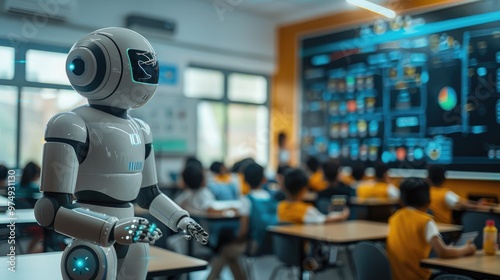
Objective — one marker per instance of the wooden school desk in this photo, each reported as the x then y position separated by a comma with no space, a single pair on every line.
478,266
344,233
46,266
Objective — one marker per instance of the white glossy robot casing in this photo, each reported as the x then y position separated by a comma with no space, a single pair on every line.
114,67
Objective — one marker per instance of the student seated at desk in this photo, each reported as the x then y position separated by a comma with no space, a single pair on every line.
260,206
196,198
443,200
222,184
335,186
238,169
413,233
28,187
295,210
357,174
381,187
4,173
317,180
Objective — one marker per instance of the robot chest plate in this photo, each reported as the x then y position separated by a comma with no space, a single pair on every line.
115,147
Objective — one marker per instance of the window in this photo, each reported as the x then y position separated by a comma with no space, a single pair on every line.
233,120
41,104
211,132
247,88
8,125
7,65
46,67
203,83
248,132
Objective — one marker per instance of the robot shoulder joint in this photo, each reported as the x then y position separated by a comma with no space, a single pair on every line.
68,126
146,131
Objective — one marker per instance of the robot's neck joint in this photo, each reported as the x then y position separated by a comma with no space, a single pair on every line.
117,112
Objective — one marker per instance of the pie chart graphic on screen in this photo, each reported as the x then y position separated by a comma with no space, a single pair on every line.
447,98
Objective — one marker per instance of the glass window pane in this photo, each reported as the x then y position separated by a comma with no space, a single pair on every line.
38,106
8,125
248,133
211,138
247,88
203,83
7,66
46,67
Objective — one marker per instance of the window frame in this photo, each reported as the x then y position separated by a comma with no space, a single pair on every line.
226,101
19,80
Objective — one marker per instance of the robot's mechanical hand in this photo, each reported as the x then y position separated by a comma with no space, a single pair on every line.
190,228
134,230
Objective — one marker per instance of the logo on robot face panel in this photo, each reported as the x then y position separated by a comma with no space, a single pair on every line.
144,66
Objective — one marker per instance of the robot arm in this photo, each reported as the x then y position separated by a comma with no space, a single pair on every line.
66,148
160,205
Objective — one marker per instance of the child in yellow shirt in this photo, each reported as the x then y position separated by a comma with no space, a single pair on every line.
380,187
316,181
443,200
413,233
295,210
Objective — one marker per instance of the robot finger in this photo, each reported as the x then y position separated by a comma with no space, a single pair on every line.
143,222
200,238
158,231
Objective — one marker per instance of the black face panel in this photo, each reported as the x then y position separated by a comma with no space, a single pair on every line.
144,66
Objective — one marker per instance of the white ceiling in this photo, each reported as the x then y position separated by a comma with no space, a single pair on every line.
287,11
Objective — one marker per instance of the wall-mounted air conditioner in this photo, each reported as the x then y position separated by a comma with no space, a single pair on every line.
151,26
59,10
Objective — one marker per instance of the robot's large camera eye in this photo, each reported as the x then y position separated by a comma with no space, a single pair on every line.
77,66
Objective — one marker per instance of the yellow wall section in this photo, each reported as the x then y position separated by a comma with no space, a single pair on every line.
284,96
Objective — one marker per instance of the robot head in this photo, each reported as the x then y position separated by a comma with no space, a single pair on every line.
115,67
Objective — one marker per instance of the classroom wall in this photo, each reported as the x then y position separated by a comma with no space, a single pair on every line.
286,82
233,40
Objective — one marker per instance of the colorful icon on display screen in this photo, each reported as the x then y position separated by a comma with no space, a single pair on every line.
447,98
362,126
418,153
373,127
401,153
344,130
334,150
372,153
353,129
370,104
363,152
434,150
335,130
386,157
343,108
351,106
334,108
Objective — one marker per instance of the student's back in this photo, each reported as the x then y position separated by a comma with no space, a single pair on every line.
413,233
262,214
378,188
407,244
331,171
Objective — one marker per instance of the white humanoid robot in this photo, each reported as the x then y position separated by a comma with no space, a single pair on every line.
104,158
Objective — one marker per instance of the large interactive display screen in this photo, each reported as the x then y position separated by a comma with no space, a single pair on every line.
420,89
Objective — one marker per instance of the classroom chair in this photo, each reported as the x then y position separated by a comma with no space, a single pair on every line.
475,221
371,259
452,277
285,248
